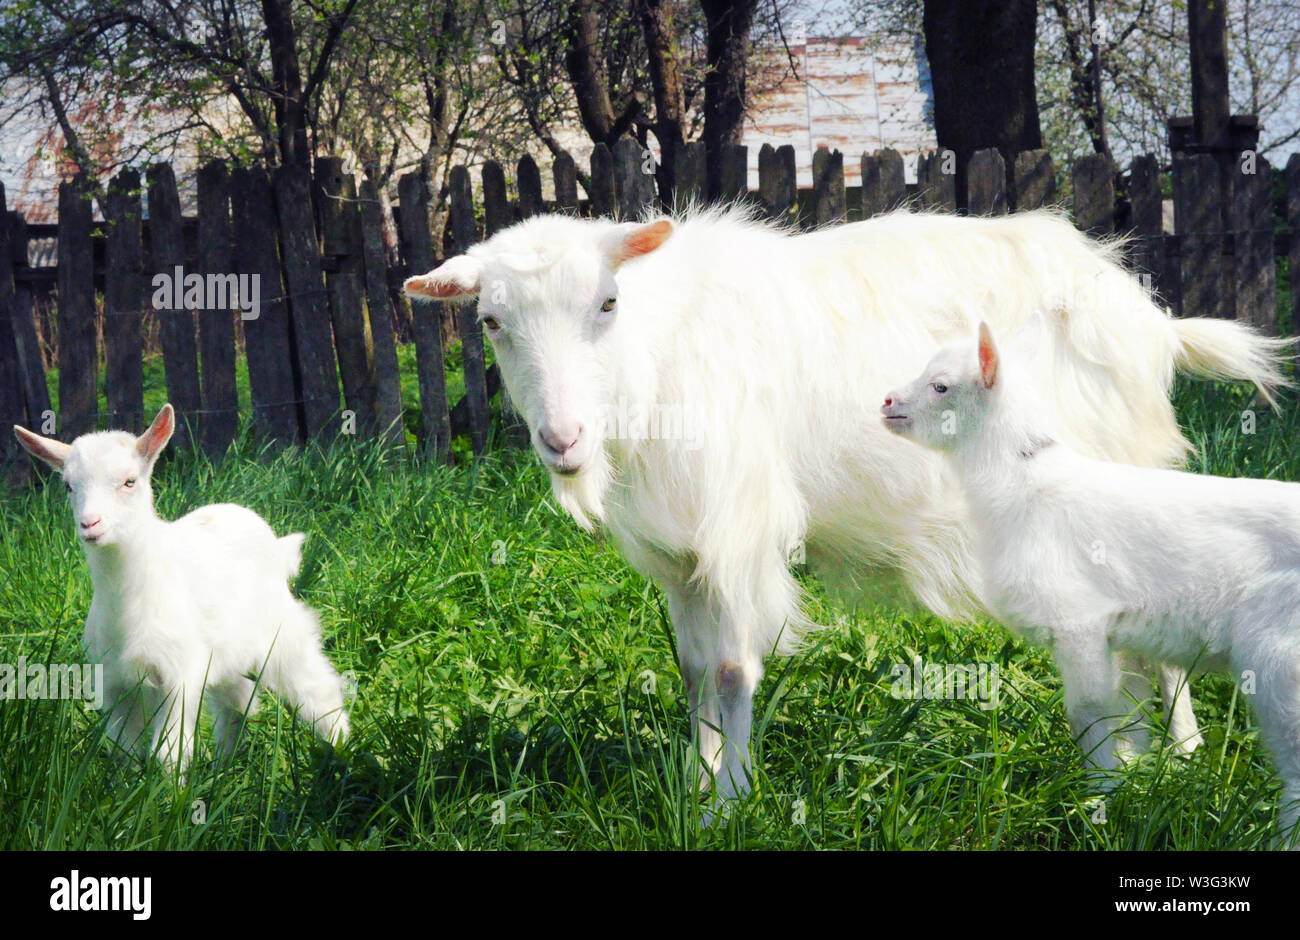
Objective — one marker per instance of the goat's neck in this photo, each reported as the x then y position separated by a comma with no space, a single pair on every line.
128,564
999,460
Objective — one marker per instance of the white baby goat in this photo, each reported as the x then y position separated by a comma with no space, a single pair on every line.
1095,559
186,610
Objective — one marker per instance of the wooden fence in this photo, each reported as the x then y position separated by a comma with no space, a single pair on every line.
322,349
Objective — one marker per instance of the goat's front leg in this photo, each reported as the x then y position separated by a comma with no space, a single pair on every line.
175,722
695,625
1092,677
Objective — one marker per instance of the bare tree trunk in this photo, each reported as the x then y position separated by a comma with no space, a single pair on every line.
726,50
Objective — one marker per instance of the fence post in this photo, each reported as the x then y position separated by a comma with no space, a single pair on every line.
344,279
692,176
267,340
465,234
180,348
936,180
1250,219
1033,180
497,211
633,188
735,172
1148,222
777,185
1197,204
566,183
529,181
1292,180
829,200
78,361
602,197
124,300
986,183
36,393
308,306
217,324
426,319
1093,177
383,336
884,183
14,466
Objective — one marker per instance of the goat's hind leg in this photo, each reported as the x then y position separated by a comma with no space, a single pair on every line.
233,702
1277,706
299,672
1175,689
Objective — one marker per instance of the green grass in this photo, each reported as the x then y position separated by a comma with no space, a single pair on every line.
501,661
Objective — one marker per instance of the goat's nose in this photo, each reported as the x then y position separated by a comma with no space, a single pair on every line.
560,437
89,522
889,401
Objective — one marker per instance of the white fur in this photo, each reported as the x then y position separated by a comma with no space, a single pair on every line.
186,611
1096,559
773,341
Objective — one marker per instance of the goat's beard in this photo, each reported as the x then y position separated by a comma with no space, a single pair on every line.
582,494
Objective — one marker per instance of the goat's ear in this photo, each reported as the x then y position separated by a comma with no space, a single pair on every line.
633,240
988,357
455,277
149,444
52,452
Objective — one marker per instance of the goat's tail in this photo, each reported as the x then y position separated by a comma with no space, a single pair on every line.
291,553
1225,349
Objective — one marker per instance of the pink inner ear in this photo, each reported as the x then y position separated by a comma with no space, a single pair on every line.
988,360
426,285
645,240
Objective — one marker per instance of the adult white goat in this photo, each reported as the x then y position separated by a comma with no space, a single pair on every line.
771,344
1092,558
186,610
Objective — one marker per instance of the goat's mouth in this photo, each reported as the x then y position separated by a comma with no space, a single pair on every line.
897,422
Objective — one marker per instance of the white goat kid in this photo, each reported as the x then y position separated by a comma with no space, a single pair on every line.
188,610
1095,559
765,345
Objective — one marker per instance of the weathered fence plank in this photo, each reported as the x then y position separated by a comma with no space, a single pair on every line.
528,179
78,361
267,337
692,176
884,183
426,317
176,322
565,174
217,323
345,281
634,188
14,466
1250,219
1093,178
497,211
1147,251
31,363
602,197
1033,180
473,359
936,181
735,172
1292,208
1197,221
777,185
986,183
124,300
383,334
308,305
830,203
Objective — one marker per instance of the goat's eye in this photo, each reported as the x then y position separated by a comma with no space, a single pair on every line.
939,387
492,324
608,305
130,481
